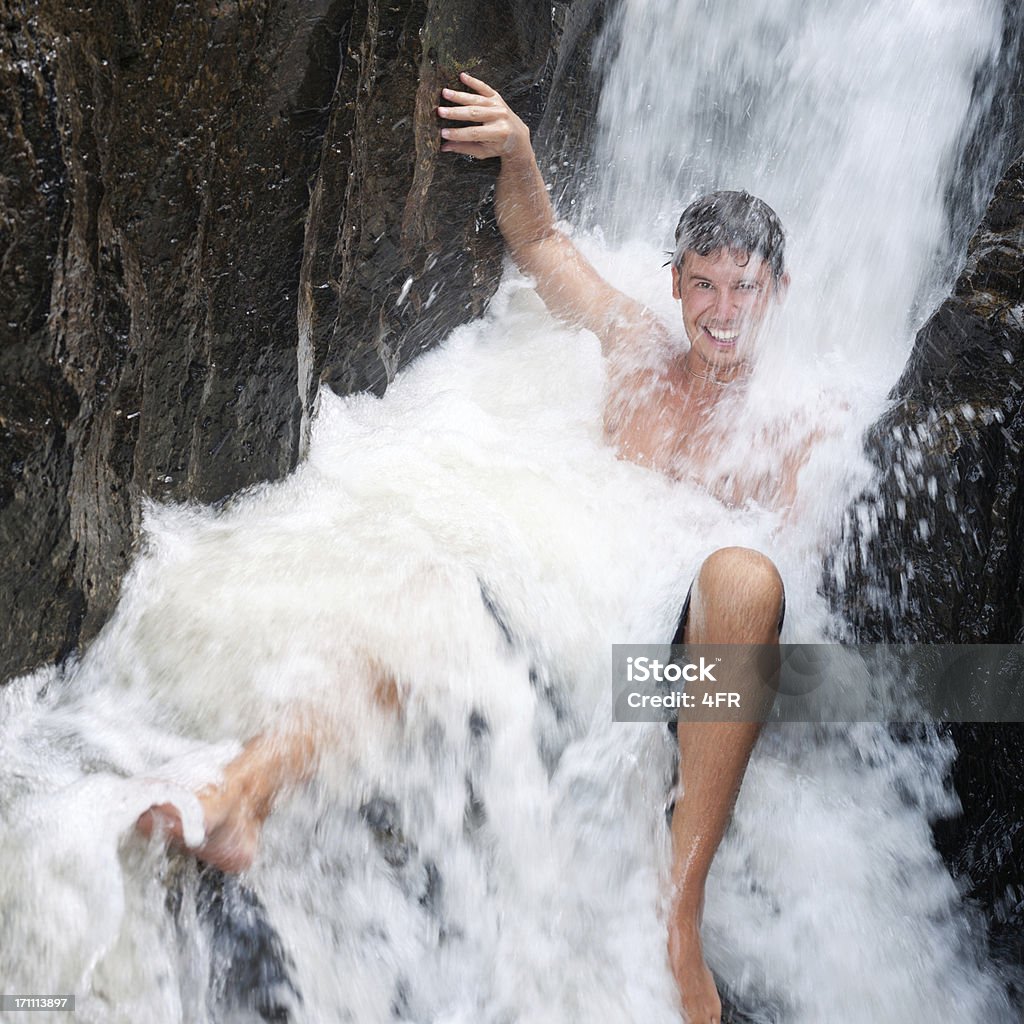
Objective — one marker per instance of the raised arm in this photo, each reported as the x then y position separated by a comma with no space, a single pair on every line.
571,288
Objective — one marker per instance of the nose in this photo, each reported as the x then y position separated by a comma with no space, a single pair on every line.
726,306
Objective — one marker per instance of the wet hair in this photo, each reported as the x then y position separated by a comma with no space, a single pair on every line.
736,221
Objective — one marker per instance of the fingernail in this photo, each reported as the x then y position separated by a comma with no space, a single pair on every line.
446,92
445,133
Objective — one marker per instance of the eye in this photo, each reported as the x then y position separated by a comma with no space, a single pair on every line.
749,286
702,285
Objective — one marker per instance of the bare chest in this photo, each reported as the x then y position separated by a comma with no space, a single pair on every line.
663,429
659,428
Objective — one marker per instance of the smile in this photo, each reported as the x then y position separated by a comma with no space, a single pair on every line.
722,337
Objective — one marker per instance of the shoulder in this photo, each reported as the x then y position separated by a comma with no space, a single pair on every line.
638,357
635,338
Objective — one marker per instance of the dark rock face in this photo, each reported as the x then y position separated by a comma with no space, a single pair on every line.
564,140
946,562
209,206
400,247
161,156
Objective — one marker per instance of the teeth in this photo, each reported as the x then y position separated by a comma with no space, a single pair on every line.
722,335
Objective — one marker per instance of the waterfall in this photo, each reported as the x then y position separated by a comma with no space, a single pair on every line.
496,850
846,118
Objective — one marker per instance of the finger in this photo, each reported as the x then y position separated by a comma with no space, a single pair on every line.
470,113
475,83
473,149
462,97
475,133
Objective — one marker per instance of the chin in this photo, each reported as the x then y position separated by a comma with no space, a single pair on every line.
721,360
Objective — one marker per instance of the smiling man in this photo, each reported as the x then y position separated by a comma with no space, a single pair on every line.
727,270
668,408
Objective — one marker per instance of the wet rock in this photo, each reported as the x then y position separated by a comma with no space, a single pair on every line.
156,180
565,136
937,553
225,936
995,135
389,274
208,207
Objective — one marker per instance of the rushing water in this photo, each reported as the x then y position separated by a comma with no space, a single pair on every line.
496,852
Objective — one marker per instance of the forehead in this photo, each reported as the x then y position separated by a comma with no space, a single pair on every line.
726,265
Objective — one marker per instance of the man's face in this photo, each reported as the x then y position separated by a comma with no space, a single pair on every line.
725,297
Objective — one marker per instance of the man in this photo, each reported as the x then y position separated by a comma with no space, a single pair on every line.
727,272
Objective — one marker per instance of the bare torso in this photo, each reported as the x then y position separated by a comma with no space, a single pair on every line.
665,419
658,421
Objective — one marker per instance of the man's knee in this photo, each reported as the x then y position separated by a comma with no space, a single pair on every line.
731,566
741,584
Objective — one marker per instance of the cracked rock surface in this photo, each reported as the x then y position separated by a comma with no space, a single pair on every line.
208,207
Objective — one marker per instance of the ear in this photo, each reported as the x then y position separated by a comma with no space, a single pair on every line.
676,285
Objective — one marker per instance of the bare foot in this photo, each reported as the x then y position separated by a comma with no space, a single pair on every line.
697,990
232,829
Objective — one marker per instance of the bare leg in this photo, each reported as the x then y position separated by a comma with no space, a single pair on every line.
271,763
235,809
737,599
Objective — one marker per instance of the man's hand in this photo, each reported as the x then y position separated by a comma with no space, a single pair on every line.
697,990
497,131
